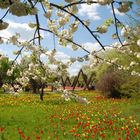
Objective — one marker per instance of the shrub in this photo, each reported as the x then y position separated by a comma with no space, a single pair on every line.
131,87
109,84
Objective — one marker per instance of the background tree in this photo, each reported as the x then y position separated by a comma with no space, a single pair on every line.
4,66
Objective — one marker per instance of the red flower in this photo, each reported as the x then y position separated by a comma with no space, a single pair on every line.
72,131
41,132
2,129
28,138
128,133
136,132
119,133
23,136
95,130
38,138
102,135
92,136
110,122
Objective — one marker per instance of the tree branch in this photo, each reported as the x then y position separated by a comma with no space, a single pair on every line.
80,46
66,39
5,15
77,18
78,3
115,20
37,22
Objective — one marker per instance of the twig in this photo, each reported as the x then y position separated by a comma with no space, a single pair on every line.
77,18
37,22
115,20
78,3
5,14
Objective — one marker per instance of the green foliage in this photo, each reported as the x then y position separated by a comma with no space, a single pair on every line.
129,84
4,66
131,87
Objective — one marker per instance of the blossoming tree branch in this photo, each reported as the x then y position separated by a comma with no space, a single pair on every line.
63,22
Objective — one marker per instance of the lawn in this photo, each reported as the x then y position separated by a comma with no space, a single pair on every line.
27,118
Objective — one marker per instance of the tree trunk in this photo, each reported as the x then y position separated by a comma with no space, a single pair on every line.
42,93
52,88
63,83
34,90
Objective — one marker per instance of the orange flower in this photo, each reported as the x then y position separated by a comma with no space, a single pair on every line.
23,136
38,138
28,138
41,132
2,129
102,135
93,135
72,130
110,122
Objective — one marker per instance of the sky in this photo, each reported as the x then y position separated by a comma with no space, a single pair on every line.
95,13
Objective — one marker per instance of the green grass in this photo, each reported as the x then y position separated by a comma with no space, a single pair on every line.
26,117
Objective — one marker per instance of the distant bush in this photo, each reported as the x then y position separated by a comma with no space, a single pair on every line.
131,87
109,84
117,84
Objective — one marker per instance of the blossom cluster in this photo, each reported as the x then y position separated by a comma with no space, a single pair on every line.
3,25
13,90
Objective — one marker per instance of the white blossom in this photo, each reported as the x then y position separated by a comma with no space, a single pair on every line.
3,25
104,2
15,94
102,29
114,60
1,40
124,7
31,66
87,22
32,25
86,58
14,39
88,2
82,100
128,68
53,26
33,11
72,59
138,55
74,47
10,72
74,26
80,59
125,31
6,3
62,21
138,42
133,72
19,9
133,63
48,14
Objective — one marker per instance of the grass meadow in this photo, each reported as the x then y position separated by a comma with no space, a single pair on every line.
27,118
